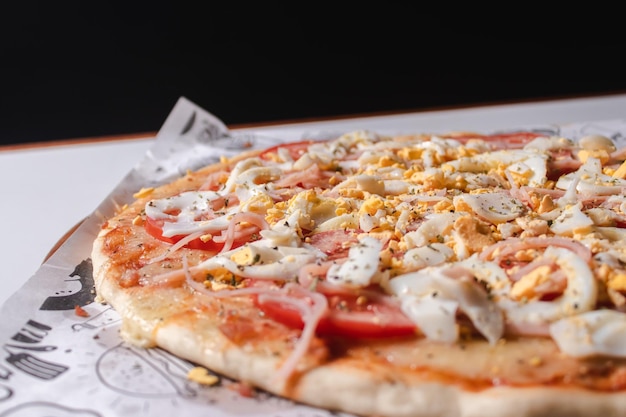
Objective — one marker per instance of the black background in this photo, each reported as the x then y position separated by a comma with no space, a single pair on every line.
88,70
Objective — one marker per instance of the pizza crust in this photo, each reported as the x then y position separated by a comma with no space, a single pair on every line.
352,388
348,385
335,386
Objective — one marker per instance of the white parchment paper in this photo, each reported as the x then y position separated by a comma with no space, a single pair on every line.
57,364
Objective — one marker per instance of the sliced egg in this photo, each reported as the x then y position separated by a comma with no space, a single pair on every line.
600,332
436,226
571,220
429,255
579,296
361,266
432,296
493,207
590,179
262,261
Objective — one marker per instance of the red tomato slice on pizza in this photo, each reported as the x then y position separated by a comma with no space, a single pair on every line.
351,315
155,229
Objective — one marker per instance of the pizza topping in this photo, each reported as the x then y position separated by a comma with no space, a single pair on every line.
361,267
434,296
202,376
589,179
435,227
524,312
428,255
351,313
241,227
335,244
600,332
262,261
80,312
144,192
511,246
521,167
493,207
184,208
311,306
509,233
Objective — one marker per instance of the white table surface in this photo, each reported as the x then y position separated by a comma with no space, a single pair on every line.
45,191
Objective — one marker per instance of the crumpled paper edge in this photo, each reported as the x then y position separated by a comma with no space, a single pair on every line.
40,333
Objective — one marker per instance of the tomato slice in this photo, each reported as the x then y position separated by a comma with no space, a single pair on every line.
296,149
515,138
349,316
155,229
503,140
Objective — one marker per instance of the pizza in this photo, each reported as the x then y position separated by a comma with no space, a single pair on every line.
457,274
